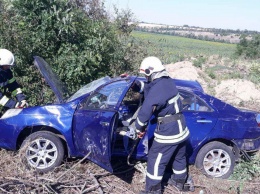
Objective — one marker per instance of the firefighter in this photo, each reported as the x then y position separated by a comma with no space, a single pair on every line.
8,83
163,101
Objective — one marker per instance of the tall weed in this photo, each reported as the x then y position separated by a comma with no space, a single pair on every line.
246,171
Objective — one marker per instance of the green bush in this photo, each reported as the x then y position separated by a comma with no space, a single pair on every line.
246,171
199,62
255,72
249,48
212,75
79,45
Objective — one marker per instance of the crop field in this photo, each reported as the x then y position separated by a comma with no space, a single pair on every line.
173,48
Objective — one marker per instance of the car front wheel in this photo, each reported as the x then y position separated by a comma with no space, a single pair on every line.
216,159
42,151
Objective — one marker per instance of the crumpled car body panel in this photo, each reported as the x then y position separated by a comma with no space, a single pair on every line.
89,122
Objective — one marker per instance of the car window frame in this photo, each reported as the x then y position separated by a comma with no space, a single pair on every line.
195,100
111,107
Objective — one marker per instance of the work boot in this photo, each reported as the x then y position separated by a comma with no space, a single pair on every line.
151,192
155,189
178,183
189,185
182,184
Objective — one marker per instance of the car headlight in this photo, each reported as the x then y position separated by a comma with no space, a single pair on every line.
11,113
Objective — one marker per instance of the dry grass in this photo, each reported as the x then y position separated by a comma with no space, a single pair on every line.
82,176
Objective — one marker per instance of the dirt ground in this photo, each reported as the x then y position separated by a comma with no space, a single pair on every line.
82,176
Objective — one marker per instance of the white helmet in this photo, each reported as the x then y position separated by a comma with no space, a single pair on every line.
6,57
150,65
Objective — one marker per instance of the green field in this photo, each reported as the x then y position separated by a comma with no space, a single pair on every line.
174,48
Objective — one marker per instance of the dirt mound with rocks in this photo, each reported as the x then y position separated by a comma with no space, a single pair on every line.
238,92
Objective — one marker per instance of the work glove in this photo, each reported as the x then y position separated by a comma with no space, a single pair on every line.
21,104
141,134
132,133
123,75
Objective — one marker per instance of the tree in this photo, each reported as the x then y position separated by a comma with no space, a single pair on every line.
79,43
249,48
94,9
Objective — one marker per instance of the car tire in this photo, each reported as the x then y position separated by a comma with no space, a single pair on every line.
216,160
42,151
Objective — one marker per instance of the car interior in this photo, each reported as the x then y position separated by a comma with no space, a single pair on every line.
192,102
108,96
130,104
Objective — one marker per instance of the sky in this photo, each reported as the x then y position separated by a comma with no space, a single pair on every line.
225,14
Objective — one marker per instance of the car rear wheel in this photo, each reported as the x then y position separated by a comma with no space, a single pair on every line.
216,159
42,151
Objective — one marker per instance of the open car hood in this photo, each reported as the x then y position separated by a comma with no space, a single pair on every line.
59,88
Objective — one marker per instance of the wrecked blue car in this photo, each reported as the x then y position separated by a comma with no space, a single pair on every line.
89,123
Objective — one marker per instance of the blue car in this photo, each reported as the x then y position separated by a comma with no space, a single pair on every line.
88,124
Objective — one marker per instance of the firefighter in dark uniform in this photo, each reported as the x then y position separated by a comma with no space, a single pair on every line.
163,101
8,83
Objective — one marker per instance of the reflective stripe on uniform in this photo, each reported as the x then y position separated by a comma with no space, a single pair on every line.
11,80
180,126
4,100
179,171
176,107
174,99
140,123
156,169
154,177
172,139
17,91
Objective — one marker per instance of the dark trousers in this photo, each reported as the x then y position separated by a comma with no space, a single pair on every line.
158,157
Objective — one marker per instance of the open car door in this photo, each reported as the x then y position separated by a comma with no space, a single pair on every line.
95,120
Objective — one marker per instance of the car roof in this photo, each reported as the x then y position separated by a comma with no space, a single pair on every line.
183,84
193,85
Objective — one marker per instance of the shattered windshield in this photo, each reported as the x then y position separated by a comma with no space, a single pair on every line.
89,87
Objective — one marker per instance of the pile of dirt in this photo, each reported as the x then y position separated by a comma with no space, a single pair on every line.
186,71
238,92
